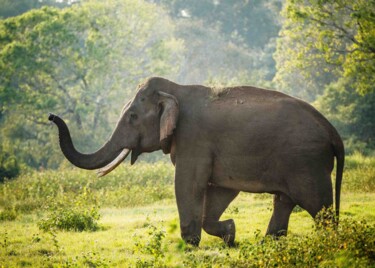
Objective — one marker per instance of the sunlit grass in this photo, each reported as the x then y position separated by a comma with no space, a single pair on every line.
123,229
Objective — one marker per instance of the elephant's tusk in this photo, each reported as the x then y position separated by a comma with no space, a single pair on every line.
111,166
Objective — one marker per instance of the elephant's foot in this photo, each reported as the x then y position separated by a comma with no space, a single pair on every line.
192,240
276,233
223,229
191,233
230,233
282,209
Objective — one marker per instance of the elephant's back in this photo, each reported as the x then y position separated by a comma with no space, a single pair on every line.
265,117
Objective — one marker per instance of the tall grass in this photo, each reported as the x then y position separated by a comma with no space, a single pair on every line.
359,173
125,187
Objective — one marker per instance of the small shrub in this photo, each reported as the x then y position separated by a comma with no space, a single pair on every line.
153,248
9,167
8,215
71,219
79,213
93,259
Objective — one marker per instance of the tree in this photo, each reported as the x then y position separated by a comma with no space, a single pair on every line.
352,113
211,59
81,62
9,167
251,22
326,40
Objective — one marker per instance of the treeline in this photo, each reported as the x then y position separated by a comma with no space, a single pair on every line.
84,59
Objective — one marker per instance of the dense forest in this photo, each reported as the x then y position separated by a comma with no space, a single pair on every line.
84,59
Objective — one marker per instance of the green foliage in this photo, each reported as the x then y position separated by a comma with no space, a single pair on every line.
9,167
151,245
359,174
10,8
253,23
351,113
351,244
80,213
219,48
92,259
325,40
8,214
71,219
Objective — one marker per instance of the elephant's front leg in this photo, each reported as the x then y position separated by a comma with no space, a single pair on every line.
190,185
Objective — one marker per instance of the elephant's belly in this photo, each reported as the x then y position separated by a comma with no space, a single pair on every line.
240,184
247,175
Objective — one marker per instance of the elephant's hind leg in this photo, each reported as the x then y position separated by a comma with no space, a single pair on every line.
282,208
217,200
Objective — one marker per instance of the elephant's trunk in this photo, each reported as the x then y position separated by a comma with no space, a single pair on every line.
96,160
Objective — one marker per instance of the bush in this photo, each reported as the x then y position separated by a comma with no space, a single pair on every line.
9,167
8,215
71,219
154,247
351,245
68,213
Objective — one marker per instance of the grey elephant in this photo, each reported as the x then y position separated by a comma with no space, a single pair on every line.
222,142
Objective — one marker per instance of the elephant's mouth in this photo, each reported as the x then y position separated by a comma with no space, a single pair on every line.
111,166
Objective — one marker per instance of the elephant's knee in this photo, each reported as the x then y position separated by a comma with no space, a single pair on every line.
217,228
208,227
223,229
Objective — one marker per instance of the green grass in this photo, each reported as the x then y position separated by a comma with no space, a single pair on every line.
141,228
359,174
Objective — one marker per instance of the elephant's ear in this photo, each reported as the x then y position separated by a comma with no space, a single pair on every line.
168,119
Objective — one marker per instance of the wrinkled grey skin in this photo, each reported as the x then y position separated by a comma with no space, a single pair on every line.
240,139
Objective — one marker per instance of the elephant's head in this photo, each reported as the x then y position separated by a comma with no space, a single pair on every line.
146,124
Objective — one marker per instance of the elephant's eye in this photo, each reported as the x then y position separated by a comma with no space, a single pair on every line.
133,116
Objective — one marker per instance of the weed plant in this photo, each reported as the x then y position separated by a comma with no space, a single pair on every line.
150,246
8,214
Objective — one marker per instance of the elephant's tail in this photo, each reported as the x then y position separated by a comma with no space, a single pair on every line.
339,151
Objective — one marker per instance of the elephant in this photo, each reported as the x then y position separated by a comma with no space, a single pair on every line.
223,141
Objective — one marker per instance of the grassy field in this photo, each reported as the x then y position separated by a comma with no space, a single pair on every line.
70,218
